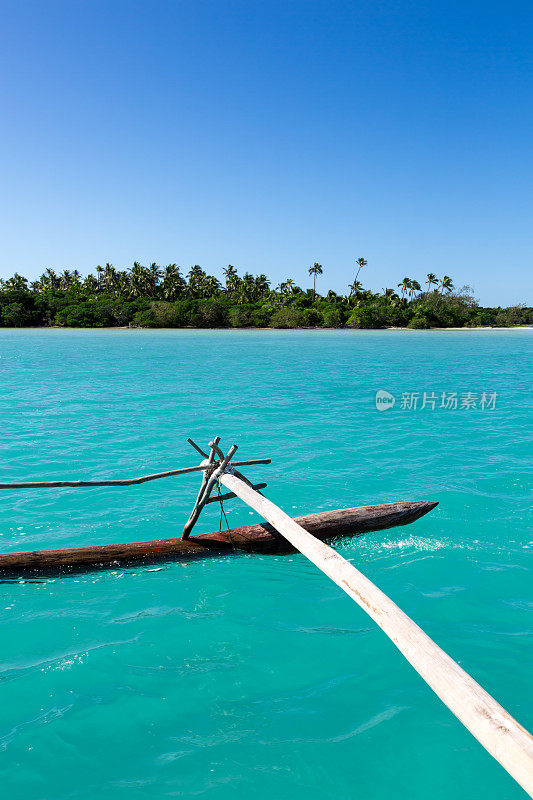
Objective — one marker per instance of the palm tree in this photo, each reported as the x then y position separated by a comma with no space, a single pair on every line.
196,277
210,286
51,279
173,283
405,285
65,280
390,294
109,277
138,280
156,273
232,279
446,284
432,280
262,285
247,288
123,284
286,286
90,284
414,287
42,282
361,262
17,283
355,288
315,270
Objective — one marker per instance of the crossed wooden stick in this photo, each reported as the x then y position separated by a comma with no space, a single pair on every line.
211,475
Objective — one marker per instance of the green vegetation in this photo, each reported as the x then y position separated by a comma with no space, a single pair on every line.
152,297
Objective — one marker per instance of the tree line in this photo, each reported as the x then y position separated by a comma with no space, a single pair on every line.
153,296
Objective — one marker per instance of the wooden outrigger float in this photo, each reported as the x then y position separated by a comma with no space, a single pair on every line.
261,538
499,733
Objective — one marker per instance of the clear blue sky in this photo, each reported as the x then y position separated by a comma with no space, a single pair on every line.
270,135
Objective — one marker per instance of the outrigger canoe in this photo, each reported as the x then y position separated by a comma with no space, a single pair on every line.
500,734
259,538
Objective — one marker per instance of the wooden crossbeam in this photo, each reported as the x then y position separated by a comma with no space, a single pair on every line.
126,482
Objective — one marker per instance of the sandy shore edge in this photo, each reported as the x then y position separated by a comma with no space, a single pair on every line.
191,328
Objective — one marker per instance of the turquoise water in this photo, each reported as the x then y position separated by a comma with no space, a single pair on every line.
249,675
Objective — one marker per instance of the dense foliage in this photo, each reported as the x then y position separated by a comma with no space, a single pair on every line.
164,298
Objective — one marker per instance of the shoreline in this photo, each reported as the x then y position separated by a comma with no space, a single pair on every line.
191,328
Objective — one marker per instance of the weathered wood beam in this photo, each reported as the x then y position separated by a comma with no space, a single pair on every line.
492,725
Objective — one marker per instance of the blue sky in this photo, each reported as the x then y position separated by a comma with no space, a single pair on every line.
270,135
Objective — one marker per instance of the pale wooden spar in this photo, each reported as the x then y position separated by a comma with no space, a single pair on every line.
498,732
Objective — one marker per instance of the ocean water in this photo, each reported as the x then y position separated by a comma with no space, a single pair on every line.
255,676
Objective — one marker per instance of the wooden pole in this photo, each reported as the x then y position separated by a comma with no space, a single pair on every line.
207,486
220,454
127,482
208,463
498,732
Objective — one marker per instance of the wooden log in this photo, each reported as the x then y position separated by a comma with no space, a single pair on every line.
492,725
258,538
